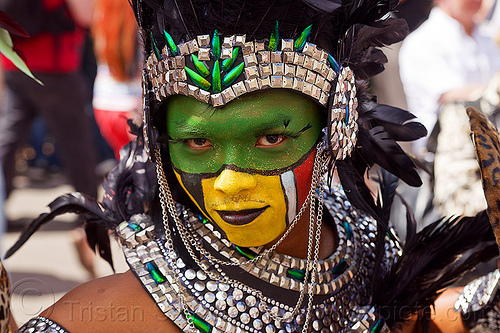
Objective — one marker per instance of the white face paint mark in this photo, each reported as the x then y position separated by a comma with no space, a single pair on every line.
288,182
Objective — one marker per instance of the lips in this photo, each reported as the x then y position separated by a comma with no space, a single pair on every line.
240,217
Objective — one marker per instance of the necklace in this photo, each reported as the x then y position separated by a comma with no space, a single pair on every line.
212,304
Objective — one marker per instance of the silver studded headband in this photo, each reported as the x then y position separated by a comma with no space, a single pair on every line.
216,70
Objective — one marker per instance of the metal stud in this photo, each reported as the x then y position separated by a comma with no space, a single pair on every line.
250,59
264,82
183,48
239,40
203,40
251,72
276,56
226,53
247,48
251,85
276,81
228,94
217,100
204,53
228,42
265,70
239,89
193,46
264,57
278,69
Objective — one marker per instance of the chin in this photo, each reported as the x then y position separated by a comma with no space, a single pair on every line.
251,239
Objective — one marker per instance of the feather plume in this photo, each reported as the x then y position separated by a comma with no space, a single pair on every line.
430,262
76,202
129,189
381,148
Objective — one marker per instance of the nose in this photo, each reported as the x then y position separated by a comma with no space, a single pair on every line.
232,182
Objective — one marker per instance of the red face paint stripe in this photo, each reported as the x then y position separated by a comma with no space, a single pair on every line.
303,176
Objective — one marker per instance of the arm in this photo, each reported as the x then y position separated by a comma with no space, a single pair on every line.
115,303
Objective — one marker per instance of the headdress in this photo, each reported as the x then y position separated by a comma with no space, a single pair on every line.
323,49
216,51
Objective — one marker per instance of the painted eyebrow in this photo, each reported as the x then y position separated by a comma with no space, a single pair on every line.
186,129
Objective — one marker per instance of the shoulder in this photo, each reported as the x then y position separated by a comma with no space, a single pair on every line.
116,303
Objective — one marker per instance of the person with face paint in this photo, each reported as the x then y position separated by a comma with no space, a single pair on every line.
243,207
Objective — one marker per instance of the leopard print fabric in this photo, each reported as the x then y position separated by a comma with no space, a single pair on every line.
4,300
487,143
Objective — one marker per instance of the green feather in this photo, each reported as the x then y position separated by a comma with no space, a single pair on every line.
216,83
216,45
226,64
301,41
233,74
198,79
171,44
157,52
333,62
200,66
275,36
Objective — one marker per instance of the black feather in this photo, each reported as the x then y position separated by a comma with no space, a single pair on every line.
411,222
379,147
430,262
75,202
401,124
129,189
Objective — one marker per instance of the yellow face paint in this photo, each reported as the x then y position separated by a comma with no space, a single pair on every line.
249,208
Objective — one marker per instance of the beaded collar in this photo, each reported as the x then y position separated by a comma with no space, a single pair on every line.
341,301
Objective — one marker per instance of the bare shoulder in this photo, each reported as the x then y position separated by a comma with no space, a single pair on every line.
116,303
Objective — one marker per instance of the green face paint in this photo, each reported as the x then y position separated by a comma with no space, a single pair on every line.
265,131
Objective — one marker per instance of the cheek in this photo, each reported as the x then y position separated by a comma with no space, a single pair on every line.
296,185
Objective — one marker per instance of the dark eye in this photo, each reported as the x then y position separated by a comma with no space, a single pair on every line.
270,141
199,143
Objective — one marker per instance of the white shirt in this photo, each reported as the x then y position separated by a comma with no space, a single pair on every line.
439,56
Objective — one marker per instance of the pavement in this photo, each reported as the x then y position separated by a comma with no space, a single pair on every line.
47,266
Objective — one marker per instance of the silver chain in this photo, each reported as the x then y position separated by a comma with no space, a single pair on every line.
190,240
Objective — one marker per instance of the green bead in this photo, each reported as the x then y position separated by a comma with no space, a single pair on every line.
200,66
155,273
333,62
216,83
339,268
216,45
348,230
202,219
233,74
171,44
298,274
275,36
200,324
134,226
301,41
377,326
198,79
249,254
157,52
226,64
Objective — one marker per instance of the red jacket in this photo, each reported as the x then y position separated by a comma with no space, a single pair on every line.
48,52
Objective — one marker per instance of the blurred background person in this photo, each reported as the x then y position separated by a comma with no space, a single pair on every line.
54,54
450,62
448,58
117,88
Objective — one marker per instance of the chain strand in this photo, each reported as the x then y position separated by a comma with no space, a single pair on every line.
189,240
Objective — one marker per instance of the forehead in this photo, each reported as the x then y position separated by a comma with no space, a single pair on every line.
266,108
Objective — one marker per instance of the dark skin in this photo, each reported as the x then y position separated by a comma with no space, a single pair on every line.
118,303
